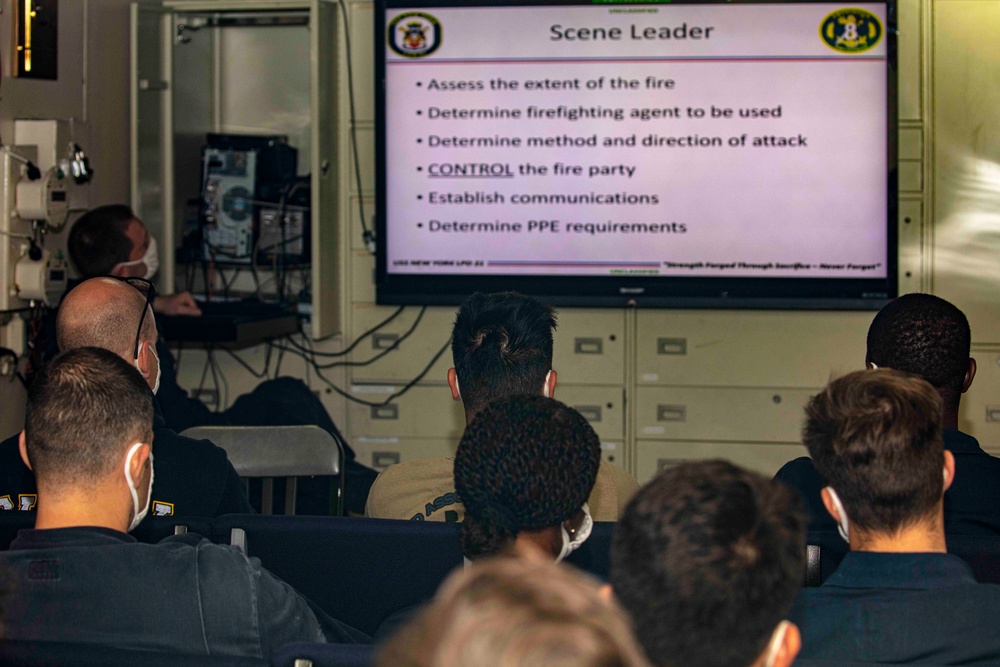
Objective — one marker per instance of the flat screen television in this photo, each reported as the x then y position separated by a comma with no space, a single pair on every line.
606,153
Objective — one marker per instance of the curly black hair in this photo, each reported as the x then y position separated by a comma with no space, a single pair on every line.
525,463
924,335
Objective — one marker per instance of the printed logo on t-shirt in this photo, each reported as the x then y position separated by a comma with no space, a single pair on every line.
450,516
27,501
161,508
6,503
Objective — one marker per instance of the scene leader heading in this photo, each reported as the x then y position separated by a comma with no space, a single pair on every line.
558,32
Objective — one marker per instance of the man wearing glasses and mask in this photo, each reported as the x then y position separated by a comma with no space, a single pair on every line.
194,477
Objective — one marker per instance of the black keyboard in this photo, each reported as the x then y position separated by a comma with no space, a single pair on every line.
238,322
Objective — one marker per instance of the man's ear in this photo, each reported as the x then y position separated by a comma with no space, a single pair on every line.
138,462
144,359
791,644
549,386
22,445
453,383
949,469
829,504
970,375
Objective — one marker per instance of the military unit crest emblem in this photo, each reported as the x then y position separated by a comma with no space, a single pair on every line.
414,34
851,30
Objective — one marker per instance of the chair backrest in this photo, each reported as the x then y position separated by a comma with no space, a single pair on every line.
278,451
825,549
59,654
324,655
357,570
155,528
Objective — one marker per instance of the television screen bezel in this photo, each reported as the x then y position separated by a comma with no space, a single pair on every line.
393,288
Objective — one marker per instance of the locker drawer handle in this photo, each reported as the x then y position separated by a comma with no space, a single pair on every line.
390,411
591,413
384,459
677,346
383,341
671,413
588,346
146,84
662,464
992,413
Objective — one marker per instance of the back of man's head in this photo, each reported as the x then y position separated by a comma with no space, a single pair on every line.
924,335
875,437
501,346
103,312
97,242
85,409
708,559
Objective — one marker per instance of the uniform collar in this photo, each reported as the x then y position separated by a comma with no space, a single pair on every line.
76,536
910,571
960,443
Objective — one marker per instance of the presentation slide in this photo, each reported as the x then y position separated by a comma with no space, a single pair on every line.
687,140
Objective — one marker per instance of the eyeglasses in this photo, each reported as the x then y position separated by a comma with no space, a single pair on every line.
148,290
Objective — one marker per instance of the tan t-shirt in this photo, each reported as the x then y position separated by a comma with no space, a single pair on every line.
424,490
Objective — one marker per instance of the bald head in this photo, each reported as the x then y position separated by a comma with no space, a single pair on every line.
103,312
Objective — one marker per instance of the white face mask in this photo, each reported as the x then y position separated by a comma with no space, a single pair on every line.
151,259
843,526
152,349
137,514
569,545
777,639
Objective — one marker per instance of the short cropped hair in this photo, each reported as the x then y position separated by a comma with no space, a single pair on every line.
708,559
97,241
524,463
85,408
924,335
516,611
501,345
875,437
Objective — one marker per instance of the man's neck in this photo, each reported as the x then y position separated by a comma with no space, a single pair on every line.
69,510
921,537
950,419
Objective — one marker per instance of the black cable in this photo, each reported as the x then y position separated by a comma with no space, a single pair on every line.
222,395
259,375
395,345
357,341
367,233
409,385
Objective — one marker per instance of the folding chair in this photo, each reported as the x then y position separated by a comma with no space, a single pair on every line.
280,451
